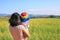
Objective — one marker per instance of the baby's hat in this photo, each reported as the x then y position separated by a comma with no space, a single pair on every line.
24,16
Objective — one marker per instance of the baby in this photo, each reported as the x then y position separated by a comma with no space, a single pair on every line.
24,20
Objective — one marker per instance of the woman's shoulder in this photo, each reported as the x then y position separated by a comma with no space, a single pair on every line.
16,27
20,26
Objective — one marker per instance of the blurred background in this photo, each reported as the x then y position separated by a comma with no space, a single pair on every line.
44,22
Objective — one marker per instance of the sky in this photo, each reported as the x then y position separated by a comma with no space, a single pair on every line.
42,7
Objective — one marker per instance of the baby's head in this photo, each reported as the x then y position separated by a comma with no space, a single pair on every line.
24,16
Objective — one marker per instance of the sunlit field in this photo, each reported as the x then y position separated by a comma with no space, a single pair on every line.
40,29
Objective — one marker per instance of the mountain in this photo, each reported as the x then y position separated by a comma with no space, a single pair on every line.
32,15
37,15
44,16
4,14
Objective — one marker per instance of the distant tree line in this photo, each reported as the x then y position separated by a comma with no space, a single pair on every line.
50,16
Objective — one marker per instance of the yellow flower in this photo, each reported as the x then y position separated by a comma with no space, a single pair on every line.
0,33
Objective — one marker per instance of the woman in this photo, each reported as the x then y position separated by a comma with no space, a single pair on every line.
16,29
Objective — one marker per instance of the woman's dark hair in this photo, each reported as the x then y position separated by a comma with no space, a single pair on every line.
15,19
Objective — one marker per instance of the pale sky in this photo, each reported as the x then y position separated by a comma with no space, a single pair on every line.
48,7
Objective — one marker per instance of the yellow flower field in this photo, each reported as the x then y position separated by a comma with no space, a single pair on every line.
40,29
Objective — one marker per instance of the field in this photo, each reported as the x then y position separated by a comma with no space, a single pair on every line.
40,29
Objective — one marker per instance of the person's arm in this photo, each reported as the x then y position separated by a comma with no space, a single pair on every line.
25,32
25,24
28,25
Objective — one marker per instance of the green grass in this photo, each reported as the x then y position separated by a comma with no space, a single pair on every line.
45,29
40,29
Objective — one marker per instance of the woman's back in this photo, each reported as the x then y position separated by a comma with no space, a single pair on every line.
16,32
16,29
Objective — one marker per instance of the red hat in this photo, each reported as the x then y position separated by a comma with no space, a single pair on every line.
23,13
